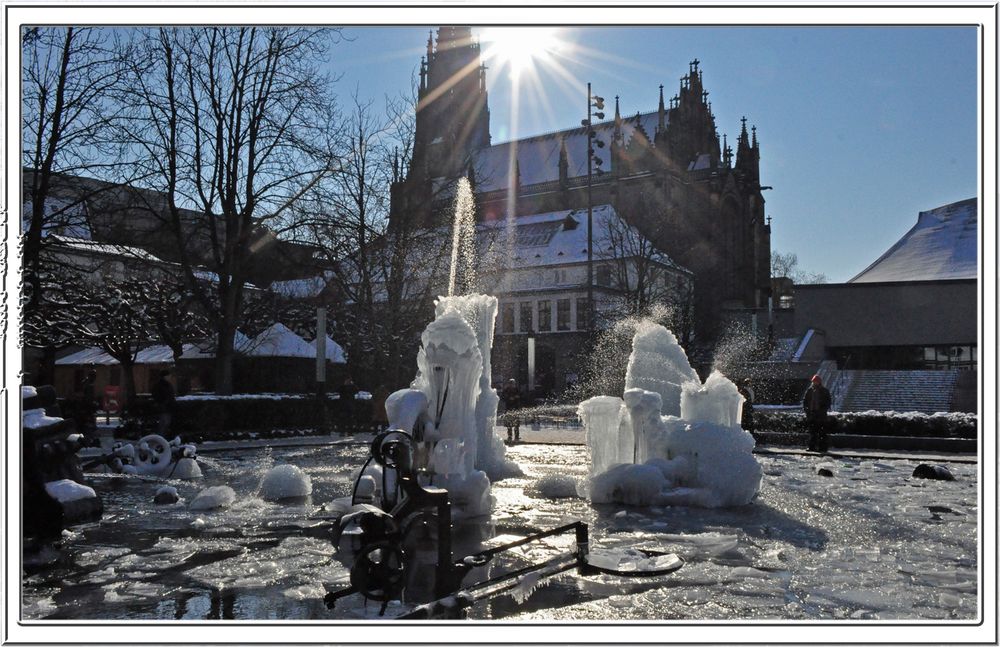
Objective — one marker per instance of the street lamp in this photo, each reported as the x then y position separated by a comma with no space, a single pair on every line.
593,102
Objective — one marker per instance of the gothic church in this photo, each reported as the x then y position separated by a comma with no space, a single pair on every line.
665,172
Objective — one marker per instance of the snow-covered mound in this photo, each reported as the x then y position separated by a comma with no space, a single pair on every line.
217,496
285,482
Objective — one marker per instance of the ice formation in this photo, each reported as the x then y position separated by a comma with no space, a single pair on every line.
451,407
671,440
285,482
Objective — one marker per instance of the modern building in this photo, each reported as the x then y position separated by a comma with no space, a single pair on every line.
664,172
911,312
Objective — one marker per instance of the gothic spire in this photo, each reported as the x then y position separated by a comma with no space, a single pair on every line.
618,120
430,44
661,113
563,162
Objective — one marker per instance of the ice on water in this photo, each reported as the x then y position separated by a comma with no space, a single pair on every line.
670,440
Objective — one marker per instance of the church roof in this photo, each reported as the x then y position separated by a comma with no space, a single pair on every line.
942,245
538,157
559,238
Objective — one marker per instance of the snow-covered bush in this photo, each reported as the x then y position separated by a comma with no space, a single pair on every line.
875,423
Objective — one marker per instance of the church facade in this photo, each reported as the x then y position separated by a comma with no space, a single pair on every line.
664,172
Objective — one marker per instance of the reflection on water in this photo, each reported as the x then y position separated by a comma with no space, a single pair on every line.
869,543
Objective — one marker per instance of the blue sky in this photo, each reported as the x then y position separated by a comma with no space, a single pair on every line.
860,127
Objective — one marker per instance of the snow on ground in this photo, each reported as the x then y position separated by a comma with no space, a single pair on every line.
869,543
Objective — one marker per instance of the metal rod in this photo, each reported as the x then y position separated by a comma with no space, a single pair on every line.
590,216
490,552
445,568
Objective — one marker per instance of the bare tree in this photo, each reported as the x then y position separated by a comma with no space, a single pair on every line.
112,314
68,75
787,265
642,281
235,125
176,315
383,277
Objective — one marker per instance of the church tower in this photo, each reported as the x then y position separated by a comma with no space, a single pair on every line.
452,122
453,116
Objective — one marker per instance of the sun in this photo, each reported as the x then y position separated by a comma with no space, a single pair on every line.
520,47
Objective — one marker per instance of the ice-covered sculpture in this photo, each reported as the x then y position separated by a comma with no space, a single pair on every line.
671,440
451,408
152,455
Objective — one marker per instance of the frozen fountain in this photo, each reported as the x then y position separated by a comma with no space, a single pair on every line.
670,440
450,408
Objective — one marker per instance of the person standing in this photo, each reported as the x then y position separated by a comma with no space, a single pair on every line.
511,396
347,392
816,405
164,397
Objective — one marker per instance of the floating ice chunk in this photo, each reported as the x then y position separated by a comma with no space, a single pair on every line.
305,592
631,560
557,486
285,482
198,523
216,496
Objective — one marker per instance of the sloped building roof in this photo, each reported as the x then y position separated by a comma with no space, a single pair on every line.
538,157
941,246
559,238
279,341
159,354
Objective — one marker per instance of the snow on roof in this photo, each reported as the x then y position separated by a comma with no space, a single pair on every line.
557,238
159,354
334,352
108,249
206,349
942,245
538,157
279,341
